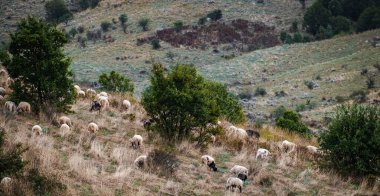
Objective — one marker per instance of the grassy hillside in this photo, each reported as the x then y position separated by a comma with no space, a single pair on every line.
102,163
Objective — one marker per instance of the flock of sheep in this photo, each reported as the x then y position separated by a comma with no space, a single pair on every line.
101,102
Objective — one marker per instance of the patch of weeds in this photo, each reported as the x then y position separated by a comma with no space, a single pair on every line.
271,167
130,117
196,164
104,131
224,157
110,169
86,190
314,191
137,182
119,192
111,114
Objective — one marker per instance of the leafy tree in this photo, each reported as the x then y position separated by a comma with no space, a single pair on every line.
115,82
352,9
352,144
36,60
325,33
291,121
57,11
215,15
182,101
335,7
10,161
369,19
105,25
144,23
178,25
340,24
315,17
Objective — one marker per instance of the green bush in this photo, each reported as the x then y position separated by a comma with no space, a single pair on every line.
202,21
144,23
286,38
178,25
57,11
278,112
123,18
156,44
115,82
335,7
291,121
370,82
260,91
315,17
352,144
297,38
340,24
84,4
105,25
80,29
10,160
215,15
325,33
73,31
369,19
294,27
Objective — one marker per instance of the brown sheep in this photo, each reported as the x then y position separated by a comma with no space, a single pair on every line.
24,107
92,127
37,130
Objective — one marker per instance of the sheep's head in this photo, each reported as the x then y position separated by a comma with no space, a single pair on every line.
213,166
242,177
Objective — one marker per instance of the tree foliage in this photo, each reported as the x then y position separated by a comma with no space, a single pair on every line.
369,19
57,11
115,82
41,71
315,17
291,121
352,144
183,101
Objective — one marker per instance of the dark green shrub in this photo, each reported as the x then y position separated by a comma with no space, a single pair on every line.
364,71
10,161
335,7
178,25
278,112
123,18
156,44
81,29
297,38
280,93
84,4
73,31
260,91
359,96
202,21
43,185
245,95
310,84
369,19
306,38
57,11
291,121
352,144
144,23
105,25
283,36
215,15
115,82
340,24
316,17
294,27
325,33
370,82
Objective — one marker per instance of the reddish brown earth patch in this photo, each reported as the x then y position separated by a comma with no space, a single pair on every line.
240,34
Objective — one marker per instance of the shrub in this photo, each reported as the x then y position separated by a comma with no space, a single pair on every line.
182,101
291,121
144,23
310,84
260,91
56,11
43,91
94,35
359,96
315,17
105,25
123,18
202,21
364,71
340,99
10,161
73,31
369,19
215,15
278,112
280,93
306,38
80,29
156,44
286,38
297,38
351,146
294,27
340,24
84,4
178,25
325,33
162,163
115,82
43,185
245,95
370,82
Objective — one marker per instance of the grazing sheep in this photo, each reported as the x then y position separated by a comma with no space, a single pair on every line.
209,161
233,183
104,94
24,107
95,106
140,161
77,88
3,92
287,146
126,104
6,181
3,72
262,153
312,149
64,120
236,133
64,129
253,134
91,93
136,141
10,81
81,94
240,171
213,139
104,103
10,106
37,130
92,127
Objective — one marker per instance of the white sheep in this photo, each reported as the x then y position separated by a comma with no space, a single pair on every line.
64,129
6,181
236,133
3,91
77,88
126,104
233,183
91,93
10,106
136,141
104,102
262,153
81,94
240,171
287,146
37,130
213,139
65,120
140,161
10,81
104,94
312,149
92,127
24,107
209,161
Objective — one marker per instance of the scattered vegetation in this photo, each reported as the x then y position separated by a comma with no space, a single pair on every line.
115,82
156,44
144,24
215,15
10,161
352,144
260,91
85,4
162,163
123,18
57,11
291,121
105,25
